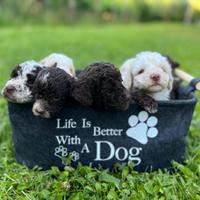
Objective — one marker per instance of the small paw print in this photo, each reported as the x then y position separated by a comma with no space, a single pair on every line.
60,152
142,127
74,155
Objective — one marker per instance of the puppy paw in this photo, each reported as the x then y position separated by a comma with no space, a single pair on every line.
151,109
144,100
151,106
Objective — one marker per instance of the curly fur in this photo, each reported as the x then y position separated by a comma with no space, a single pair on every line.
100,86
150,73
144,100
19,88
52,89
62,61
137,72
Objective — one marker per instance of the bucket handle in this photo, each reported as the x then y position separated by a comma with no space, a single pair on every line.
194,83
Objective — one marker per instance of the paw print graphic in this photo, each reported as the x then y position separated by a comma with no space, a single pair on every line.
142,127
74,155
60,152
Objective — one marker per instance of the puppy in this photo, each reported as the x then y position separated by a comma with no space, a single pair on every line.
61,61
100,86
19,88
149,78
53,85
51,89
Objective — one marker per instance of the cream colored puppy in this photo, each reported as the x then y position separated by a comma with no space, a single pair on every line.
149,72
62,61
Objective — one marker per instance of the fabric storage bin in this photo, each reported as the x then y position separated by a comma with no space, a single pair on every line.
95,138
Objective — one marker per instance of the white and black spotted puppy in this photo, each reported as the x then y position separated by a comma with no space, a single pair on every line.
52,89
19,88
61,61
150,73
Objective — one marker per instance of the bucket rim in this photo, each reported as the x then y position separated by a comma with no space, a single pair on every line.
192,100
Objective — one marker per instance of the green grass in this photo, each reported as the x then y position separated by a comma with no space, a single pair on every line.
87,44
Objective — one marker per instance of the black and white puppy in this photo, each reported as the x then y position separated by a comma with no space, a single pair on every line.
52,89
19,88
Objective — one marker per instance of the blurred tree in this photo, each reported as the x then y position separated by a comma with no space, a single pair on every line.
72,10
188,13
192,7
84,5
125,12
64,11
97,8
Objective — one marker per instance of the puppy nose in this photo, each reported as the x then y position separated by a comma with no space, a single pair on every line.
39,111
155,77
9,90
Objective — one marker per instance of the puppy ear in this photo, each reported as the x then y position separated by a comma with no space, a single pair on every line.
38,69
174,64
14,72
54,65
82,94
126,74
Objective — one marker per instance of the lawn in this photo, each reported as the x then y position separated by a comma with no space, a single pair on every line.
112,43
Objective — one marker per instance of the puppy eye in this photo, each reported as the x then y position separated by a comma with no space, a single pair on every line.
141,71
30,81
39,96
30,77
56,98
16,71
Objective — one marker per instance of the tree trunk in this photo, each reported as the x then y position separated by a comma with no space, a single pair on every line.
72,10
188,14
125,11
97,8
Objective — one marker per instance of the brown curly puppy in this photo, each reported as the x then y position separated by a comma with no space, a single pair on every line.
51,89
100,86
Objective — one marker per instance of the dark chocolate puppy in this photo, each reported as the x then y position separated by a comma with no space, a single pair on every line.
51,89
144,100
100,86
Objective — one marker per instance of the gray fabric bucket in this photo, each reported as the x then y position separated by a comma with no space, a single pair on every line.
103,138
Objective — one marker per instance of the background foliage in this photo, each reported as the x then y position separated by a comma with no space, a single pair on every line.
93,11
